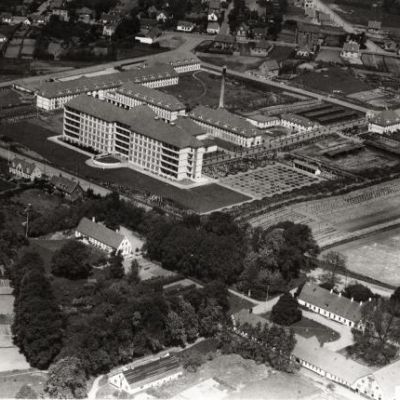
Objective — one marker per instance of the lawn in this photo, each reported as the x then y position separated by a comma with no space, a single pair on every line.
237,303
204,347
308,328
11,382
201,199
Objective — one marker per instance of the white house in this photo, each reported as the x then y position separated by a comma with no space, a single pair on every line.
213,28
351,50
24,169
109,30
330,305
145,376
150,37
185,26
3,38
263,121
16,20
162,16
386,122
100,236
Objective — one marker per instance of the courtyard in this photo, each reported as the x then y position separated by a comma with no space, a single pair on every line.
268,181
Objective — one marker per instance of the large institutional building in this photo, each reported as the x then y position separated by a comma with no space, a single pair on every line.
137,136
53,95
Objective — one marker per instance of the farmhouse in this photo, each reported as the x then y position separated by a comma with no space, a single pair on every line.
222,124
100,236
213,28
311,355
166,106
24,169
331,305
351,50
53,95
137,136
70,189
151,374
386,122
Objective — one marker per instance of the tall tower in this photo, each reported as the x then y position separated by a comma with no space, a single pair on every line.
222,93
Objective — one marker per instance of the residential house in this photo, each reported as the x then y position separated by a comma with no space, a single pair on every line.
152,373
85,15
61,13
374,26
213,28
162,16
214,10
185,26
225,42
261,49
351,50
260,33
6,18
149,37
331,305
109,30
24,169
387,121
3,38
269,69
19,20
323,18
70,189
306,166
242,32
98,235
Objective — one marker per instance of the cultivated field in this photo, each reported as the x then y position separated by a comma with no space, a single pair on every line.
11,382
268,181
201,199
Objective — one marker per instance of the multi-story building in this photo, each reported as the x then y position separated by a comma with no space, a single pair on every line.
137,136
98,235
131,95
263,121
53,95
227,126
386,122
297,122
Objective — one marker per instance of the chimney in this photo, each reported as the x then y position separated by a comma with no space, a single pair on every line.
94,219
340,294
360,303
222,93
370,299
352,299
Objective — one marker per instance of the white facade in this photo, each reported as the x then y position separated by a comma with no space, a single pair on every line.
181,69
145,39
296,125
212,16
263,123
19,171
213,28
377,128
185,27
147,153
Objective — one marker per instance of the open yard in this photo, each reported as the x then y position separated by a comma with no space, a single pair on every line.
308,328
204,88
268,181
331,79
201,199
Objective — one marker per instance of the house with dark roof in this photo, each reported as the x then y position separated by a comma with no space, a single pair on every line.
387,121
269,69
152,373
331,305
185,26
24,169
351,49
374,26
261,49
70,189
100,236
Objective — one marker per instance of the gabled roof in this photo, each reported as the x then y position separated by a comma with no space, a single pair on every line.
271,65
311,351
151,96
186,24
140,119
64,184
386,118
388,379
224,120
351,46
297,119
246,317
331,302
100,233
262,44
153,369
27,167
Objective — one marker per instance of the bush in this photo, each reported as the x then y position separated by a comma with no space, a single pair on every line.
286,311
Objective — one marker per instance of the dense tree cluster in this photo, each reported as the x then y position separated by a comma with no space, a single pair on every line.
286,311
269,344
377,342
38,322
358,292
277,255
334,263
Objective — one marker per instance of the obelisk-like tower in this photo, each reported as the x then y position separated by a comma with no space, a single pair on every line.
222,94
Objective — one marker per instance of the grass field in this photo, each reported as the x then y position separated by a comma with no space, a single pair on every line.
201,199
308,328
11,382
376,256
237,303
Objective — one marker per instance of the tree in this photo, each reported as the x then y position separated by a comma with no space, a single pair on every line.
286,311
38,322
175,329
116,265
192,361
26,392
71,261
334,263
133,274
358,292
66,379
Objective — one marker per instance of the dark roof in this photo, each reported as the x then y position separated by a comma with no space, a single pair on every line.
225,120
297,119
224,38
88,84
151,96
100,232
262,44
331,302
140,119
351,46
64,184
152,369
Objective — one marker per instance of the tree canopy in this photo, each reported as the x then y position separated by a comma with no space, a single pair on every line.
286,311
